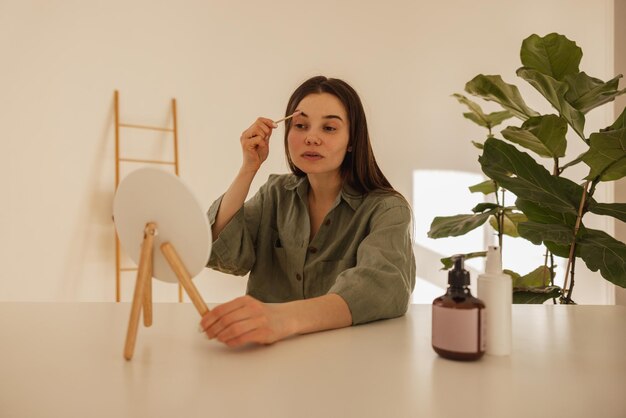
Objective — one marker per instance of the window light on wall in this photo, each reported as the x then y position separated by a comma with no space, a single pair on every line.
442,193
446,193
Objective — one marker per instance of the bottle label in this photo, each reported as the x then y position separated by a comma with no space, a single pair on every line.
458,330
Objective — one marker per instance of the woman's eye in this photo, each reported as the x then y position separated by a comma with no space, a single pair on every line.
330,128
299,126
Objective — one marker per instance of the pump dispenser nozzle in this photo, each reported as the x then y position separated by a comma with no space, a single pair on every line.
493,265
458,276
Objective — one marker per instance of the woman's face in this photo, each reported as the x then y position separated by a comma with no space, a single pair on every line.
319,135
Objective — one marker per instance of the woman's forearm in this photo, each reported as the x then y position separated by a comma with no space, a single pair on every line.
232,200
255,148
318,314
246,320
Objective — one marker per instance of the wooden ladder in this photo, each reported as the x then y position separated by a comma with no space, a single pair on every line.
118,162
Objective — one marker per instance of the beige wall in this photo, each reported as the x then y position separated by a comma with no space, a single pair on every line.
227,63
620,104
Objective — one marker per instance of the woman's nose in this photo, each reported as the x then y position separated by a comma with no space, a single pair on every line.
312,140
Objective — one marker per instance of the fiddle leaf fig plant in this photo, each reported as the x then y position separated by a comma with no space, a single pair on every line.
531,202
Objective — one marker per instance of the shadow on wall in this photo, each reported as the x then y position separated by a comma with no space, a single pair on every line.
431,281
93,239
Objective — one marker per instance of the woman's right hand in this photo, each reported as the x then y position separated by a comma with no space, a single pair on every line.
255,143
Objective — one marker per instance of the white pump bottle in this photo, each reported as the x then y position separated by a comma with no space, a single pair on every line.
495,289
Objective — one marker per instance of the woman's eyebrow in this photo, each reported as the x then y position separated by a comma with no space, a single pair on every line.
323,117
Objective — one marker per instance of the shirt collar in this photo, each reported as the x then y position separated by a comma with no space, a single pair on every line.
350,195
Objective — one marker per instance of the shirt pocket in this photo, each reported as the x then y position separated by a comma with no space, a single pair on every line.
280,258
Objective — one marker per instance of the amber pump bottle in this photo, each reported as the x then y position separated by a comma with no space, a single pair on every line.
458,324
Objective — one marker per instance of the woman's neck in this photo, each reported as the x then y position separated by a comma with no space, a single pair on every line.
324,188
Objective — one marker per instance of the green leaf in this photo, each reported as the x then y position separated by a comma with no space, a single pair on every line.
496,118
616,210
518,172
538,278
540,214
620,122
544,135
560,250
476,113
602,252
479,117
606,155
554,91
486,187
490,120
573,162
586,93
553,55
453,226
476,119
538,233
536,296
511,220
477,144
448,263
493,88
481,207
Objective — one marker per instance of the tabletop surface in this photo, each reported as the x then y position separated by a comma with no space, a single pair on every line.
65,360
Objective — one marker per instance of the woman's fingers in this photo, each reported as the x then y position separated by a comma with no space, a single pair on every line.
227,320
255,142
228,313
242,321
261,127
237,330
220,311
258,335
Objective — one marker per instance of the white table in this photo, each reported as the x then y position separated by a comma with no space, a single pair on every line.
65,360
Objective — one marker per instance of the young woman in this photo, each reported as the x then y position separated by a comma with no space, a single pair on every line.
327,246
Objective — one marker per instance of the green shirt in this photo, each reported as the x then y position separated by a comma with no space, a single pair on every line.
363,250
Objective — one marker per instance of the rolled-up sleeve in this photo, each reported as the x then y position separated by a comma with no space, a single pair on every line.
233,251
381,283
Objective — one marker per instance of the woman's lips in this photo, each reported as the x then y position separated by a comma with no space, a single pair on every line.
311,156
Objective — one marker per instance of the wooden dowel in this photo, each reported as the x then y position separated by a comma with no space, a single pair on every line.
150,128
179,269
147,299
145,261
118,281
175,130
117,138
116,105
139,160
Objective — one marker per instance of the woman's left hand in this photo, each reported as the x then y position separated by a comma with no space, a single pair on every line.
246,320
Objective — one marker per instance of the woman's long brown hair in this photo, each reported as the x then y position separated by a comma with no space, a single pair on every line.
359,167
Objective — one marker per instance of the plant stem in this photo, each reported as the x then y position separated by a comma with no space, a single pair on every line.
556,171
572,249
552,274
545,264
594,183
568,299
501,224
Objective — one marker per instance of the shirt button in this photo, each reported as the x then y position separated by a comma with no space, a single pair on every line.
312,250
327,222
298,277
